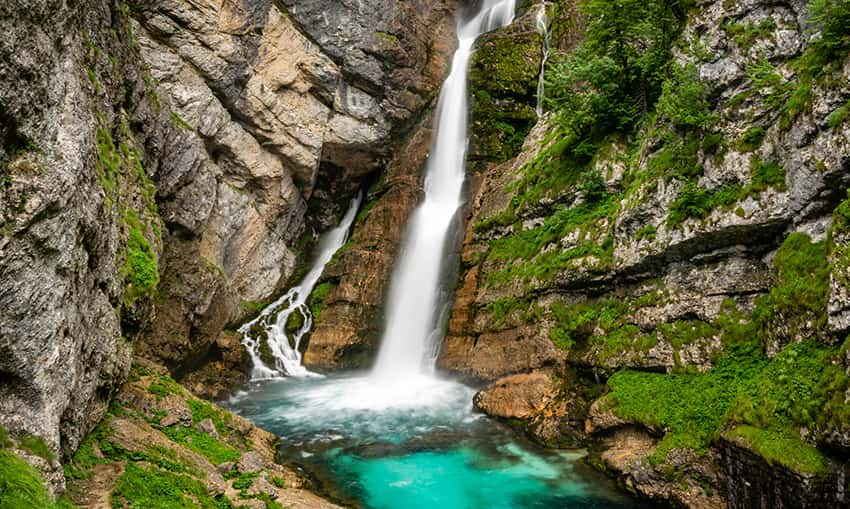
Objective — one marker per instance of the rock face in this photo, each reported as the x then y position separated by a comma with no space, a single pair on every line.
587,268
157,162
346,331
755,484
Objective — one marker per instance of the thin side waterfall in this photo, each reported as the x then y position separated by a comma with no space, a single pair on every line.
272,321
541,22
410,334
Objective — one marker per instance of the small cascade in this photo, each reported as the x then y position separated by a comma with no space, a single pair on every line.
541,22
273,320
414,307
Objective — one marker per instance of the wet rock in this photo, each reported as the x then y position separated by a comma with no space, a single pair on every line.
516,396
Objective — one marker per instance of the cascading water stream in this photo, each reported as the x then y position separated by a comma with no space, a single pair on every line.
274,318
409,335
541,22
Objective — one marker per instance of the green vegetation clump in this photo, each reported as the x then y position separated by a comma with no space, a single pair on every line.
37,446
746,35
751,139
802,387
152,487
22,487
780,449
142,265
798,301
317,299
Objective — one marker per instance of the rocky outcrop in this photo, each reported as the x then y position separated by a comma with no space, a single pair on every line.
753,483
541,403
158,435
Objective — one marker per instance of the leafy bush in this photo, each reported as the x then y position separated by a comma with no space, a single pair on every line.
684,99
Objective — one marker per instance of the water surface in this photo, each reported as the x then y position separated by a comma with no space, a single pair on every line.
416,447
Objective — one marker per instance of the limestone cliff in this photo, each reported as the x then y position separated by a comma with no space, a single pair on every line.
164,166
704,241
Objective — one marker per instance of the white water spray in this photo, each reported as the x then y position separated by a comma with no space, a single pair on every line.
411,335
273,319
541,22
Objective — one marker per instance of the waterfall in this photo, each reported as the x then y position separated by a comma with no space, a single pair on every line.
541,22
412,323
272,321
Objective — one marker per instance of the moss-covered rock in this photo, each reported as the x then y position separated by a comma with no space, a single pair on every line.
503,89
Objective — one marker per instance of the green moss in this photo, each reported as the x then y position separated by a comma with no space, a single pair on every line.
214,450
799,300
180,123
37,446
253,308
4,438
318,298
154,488
162,386
202,410
746,35
751,139
781,449
142,265
839,116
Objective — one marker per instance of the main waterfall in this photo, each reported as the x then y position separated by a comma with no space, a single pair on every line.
412,330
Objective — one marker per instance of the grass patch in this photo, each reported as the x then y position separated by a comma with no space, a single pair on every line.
214,450
37,446
22,487
152,488
780,449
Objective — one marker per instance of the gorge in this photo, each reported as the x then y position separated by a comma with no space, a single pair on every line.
460,253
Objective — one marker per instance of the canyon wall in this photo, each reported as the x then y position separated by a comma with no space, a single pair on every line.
701,248
165,166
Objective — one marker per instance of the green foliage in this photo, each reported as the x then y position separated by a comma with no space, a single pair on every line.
746,35
781,449
37,446
253,308
802,387
695,405
830,18
751,139
678,159
800,297
318,298
618,70
214,450
245,481
839,116
697,202
152,488
21,486
684,99
766,174
162,386
142,264
5,441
